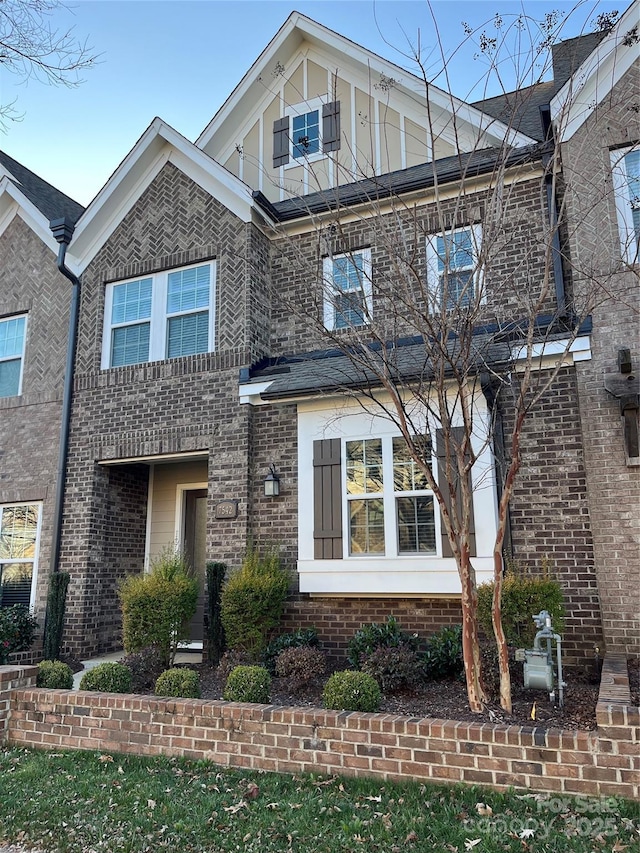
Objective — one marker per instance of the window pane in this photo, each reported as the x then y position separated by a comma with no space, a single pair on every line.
15,584
132,301
366,527
349,310
364,466
18,530
416,525
306,134
12,337
130,345
407,476
188,290
459,289
9,378
188,334
348,283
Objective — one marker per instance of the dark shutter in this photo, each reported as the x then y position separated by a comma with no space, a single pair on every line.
331,127
327,499
281,142
457,434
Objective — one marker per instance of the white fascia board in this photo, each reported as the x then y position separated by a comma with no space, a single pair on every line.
13,203
158,145
596,77
299,28
577,350
250,393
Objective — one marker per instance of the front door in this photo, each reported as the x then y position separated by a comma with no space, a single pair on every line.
195,549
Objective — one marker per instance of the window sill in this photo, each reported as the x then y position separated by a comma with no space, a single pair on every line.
411,575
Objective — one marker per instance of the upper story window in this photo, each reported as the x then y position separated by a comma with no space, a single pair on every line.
306,131
166,315
452,267
19,531
625,167
12,340
390,509
347,290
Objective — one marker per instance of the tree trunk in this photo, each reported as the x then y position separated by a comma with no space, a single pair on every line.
470,645
501,642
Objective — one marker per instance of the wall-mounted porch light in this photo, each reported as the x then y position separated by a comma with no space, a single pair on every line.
272,483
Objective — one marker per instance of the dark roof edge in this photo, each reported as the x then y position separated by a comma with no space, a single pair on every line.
447,169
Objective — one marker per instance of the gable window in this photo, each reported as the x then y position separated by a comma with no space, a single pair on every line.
347,290
12,341
306,131
625,167
19,531
167,315
390,509
452,267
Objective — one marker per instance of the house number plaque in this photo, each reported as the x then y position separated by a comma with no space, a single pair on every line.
226,509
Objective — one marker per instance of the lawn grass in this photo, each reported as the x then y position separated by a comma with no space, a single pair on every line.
82,802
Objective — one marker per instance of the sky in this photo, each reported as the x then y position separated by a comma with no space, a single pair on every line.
180,59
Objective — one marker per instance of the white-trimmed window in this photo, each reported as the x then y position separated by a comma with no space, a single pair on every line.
165,315
13,334
625,167
348,301
453,276
19,541
390,509
306,132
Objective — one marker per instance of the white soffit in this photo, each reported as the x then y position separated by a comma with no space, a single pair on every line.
251,92
598,74
160,144
14,203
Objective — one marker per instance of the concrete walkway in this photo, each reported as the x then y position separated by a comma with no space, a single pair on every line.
188,656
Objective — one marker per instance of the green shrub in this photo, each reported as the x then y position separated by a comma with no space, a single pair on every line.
393,667
373,636
157,606
252,602
145,667
17,630
523,596
299,665
54,619
108,677
54,675
443,655
301,637
215,629
352,690
248,684
179,681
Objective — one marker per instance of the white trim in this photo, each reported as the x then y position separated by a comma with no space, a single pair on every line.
629,242
250,393
181,491
36,555
14,203
596,77
578,350
187,456
159,315
147,533
329,291
433,272
22,355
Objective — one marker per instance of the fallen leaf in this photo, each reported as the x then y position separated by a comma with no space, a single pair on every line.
236,808
151,804
527,832
375,799
411,837
533,711
253,791
618,846
104,758
470,843
484,809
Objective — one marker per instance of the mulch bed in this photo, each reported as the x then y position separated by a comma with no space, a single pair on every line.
448,700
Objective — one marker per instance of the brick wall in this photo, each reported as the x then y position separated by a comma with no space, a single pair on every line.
30,424
312,740
613,487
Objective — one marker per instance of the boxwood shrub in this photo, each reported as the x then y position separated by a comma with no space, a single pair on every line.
352,690
107,677
55,675
179,681
248,684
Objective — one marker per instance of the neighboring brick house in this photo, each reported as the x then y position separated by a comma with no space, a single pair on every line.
34,316
211,275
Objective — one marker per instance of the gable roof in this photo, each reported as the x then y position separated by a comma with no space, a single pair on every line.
594,79
251,90
158,145
52,203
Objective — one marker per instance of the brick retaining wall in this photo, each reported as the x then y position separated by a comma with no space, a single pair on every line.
294,740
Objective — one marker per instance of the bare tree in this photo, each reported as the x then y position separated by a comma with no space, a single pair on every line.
30,48
463,329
